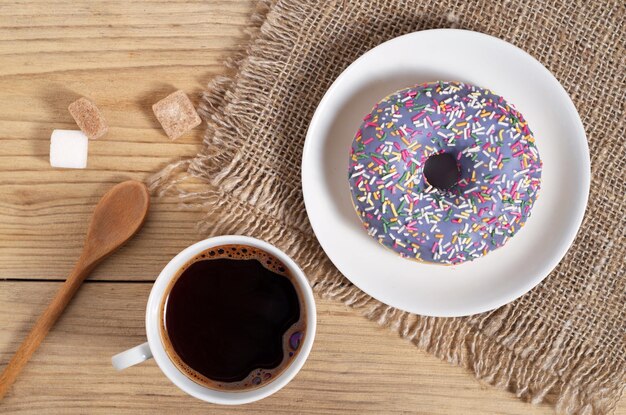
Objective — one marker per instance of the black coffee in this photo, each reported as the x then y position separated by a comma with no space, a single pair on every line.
233,318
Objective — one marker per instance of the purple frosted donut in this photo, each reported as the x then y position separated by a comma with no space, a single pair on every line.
444,172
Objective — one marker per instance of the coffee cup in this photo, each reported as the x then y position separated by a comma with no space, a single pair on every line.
261,382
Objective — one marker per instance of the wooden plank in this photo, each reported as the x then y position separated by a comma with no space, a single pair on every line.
355,366
39,38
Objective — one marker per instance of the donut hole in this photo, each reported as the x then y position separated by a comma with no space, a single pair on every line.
442,171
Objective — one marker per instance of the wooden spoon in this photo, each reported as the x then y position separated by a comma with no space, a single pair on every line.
117,217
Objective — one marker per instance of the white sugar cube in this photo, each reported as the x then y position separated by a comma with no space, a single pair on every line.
68,148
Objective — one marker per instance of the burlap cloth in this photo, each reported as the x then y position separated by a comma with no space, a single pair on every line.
564,342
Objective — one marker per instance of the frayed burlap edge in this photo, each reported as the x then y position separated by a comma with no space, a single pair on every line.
477,343
208,165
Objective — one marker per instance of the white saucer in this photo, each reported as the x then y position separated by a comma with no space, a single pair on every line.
504,274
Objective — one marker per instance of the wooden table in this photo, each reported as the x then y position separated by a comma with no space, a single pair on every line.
127,55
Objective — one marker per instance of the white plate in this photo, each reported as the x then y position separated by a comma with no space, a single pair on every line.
504,274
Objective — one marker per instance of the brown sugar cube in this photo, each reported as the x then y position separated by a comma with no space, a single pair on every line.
89,118
176,114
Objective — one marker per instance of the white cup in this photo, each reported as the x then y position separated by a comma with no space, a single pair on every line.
154,346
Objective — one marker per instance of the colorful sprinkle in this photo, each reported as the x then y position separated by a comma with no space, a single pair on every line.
500,172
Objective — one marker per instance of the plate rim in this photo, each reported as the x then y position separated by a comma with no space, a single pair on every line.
582,198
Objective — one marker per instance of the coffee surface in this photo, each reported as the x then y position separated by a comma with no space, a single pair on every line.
233,318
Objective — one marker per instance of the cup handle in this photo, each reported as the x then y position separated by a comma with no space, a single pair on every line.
132,356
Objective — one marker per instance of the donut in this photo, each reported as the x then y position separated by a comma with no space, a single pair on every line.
444,172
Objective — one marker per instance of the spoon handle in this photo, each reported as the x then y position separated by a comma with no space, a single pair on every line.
44,323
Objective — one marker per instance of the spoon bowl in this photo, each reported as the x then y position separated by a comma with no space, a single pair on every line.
117,217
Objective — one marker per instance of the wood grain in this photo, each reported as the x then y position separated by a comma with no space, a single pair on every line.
125,56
